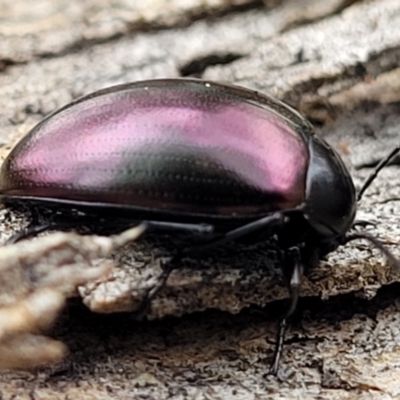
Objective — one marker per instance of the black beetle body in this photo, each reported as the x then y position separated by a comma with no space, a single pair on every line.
185,151
178,152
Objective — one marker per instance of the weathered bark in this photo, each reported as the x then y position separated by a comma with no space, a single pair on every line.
336,61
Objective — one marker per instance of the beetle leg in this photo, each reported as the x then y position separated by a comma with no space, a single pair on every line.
30,231
294,285
377,243
276,219
193,228
161,281
38,224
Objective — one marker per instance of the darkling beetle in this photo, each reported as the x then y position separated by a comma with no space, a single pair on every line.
185,154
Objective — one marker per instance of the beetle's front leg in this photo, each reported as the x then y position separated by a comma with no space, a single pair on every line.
293,271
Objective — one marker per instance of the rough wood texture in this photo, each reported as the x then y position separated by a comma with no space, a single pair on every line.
336,61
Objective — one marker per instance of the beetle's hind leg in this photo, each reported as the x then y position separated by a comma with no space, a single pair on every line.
29,231
167,268
293,272
271,221
39,222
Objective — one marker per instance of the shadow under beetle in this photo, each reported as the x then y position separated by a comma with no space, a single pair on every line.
190,155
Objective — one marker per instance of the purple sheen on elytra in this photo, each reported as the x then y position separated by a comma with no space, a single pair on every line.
176,145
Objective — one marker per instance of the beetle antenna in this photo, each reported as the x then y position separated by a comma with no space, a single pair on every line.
376,170
377,243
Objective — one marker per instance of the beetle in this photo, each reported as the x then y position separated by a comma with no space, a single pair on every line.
193,155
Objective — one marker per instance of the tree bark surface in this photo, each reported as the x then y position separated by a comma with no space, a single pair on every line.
210,332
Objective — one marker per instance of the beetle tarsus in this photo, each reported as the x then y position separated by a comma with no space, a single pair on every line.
162,280
294,264
395,263
278,347
30,231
